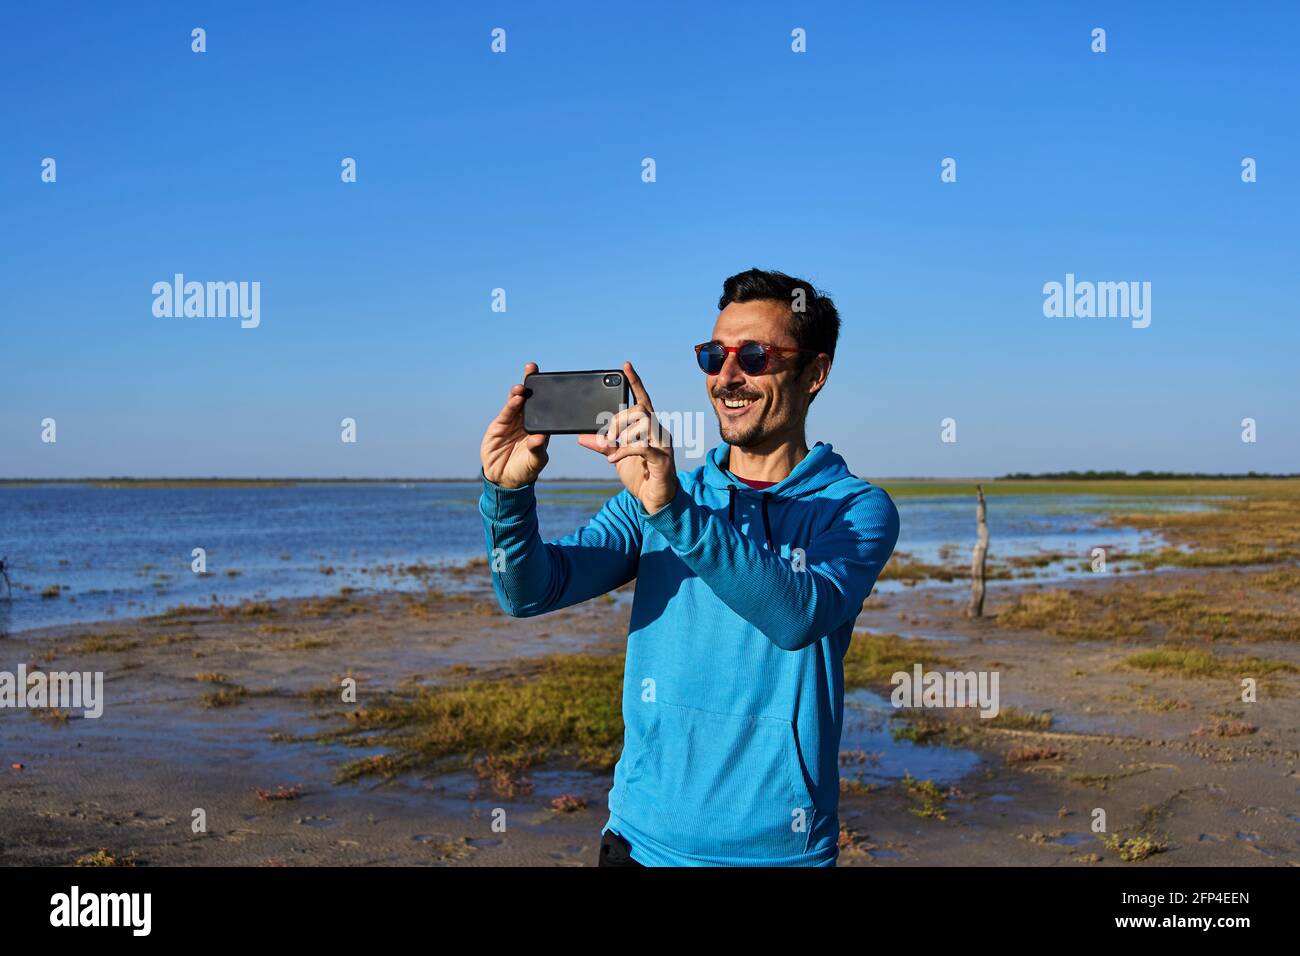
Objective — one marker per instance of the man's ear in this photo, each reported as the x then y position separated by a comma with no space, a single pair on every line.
820,367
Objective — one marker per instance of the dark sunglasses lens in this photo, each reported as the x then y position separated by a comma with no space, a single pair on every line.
753,358
711,358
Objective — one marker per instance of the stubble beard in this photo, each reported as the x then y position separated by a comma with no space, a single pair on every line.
745,437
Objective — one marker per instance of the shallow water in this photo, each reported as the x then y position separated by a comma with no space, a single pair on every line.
868,727
127,551
941,530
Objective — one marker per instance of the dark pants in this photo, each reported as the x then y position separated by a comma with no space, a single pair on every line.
615,851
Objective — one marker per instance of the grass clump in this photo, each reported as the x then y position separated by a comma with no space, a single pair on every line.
185,610
559,707
874,658
1226,728
103,644
1225,606
1015,718
182,638
1198,663
343,603
930,795
102,857
1135,848
224,697
1032,754
309,643
1070,614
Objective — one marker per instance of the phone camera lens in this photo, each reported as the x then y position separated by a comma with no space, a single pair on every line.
613,381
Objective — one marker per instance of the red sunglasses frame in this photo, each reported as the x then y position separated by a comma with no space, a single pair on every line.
767,348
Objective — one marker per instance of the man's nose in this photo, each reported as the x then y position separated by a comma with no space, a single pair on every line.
731,373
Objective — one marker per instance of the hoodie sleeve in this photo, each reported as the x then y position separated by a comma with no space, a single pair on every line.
531,576
793,608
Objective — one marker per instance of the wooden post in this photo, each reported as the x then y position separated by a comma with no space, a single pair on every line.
978,556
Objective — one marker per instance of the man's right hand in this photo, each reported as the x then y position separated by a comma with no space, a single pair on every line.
511,457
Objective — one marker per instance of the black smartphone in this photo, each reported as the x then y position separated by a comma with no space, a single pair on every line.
573,403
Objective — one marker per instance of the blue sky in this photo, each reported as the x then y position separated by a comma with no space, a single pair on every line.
522,171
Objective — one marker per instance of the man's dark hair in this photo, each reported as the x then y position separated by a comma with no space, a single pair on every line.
816,327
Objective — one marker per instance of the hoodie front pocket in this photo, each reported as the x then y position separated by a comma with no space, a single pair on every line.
719,785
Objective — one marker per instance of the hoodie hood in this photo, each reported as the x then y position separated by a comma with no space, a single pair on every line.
820,468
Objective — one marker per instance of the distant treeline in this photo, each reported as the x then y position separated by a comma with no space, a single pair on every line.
1135,476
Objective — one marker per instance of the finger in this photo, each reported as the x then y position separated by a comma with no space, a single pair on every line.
650,454
512,410
638,390
647,429
635,432
509,413
537,442
622,420
640,431
592,444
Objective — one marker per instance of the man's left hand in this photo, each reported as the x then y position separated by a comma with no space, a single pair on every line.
640,448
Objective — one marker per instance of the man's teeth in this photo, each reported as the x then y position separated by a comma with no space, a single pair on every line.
737,402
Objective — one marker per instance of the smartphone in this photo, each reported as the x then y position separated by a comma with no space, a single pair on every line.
573,403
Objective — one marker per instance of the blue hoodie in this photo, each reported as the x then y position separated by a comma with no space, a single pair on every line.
733,693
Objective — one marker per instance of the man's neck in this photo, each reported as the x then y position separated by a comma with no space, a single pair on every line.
767,463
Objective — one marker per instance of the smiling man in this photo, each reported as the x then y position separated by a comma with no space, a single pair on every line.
750,572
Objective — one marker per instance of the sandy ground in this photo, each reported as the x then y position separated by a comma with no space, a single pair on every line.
131,781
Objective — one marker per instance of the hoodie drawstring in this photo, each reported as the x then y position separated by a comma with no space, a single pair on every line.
731,513
767,525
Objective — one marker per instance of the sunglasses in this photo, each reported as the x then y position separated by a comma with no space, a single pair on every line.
755,358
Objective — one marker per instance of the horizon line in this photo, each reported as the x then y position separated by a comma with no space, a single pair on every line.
1089,475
